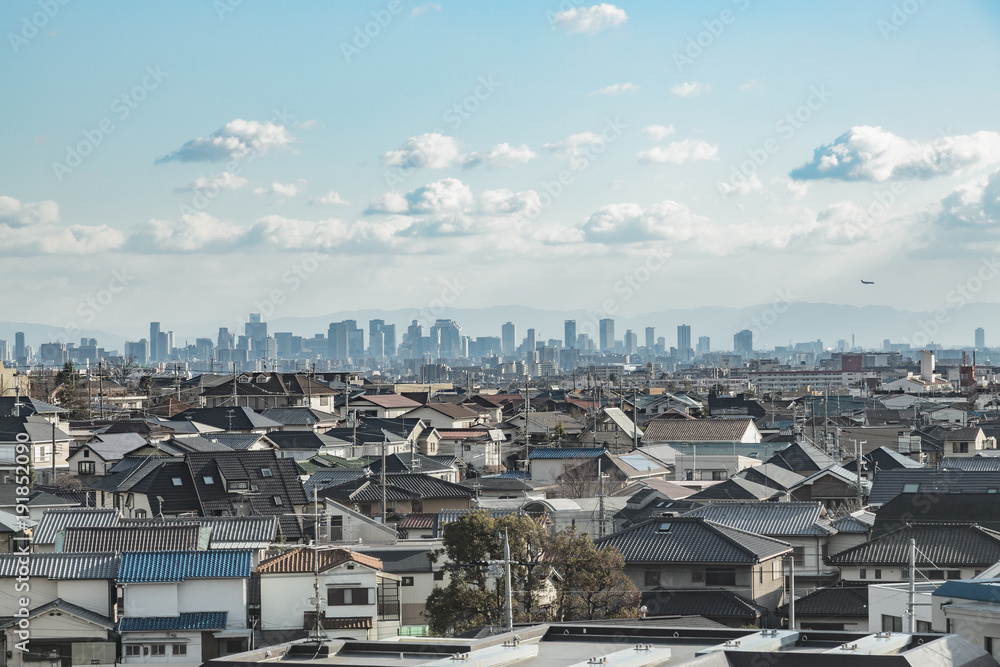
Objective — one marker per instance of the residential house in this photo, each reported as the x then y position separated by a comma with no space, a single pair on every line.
694,553
266,390
969,609
832,486
303,418
967,442
445,415
183,606
881,458
417,576
930,482
55,521
47,444
38,501
404,494
231,420
548,465
100,453
852,529
666,431
357,598
612,428
15,532
841,608
382,406
737,488
304,445
478,447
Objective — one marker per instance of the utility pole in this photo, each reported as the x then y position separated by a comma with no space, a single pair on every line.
791,596
600,496
385,439
100,387
508,595
911,603
635,419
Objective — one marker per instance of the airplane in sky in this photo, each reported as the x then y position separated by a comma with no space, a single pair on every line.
867,282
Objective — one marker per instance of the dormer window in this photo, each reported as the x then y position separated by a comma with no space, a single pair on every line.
244,378
261,379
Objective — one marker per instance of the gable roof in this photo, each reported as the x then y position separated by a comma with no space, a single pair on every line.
388,401
691,540
982,509
57,520
773,519
228,418
736,488
405,486
850,601
63,607
566,452
770,475
971,463
61,566
938,545
802,457
450,410
202,620
308,440
171,566
696,430
890,483
113,446
700,602
883,458
132,538
299,416
857,523
225,532
304,560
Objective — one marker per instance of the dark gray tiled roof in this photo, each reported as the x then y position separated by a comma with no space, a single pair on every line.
836,601
859,522
67,607
771,475
63,566
736,488
971,463
401,561
131,538
57,520
802,457
774,519
227,532
969,508
937,546
691,540
700,602
325,477
241,418
890,483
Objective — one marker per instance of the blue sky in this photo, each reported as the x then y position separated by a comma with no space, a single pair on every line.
241,153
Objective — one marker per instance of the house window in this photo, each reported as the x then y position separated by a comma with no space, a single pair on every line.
924,626
177,481
86,453
86,467
261,379
439,575
234,646
698,576
719,475
158,649
407,581
720,576
266,472
960,447
878,574
278,501
799,556
862,573
180,649
652,577
911,488
208,479
349,596
140,514
132,650
892,623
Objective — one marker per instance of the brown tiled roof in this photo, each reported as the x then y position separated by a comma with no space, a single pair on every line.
301,560
453,411
341,623
417,520
389,401
695,430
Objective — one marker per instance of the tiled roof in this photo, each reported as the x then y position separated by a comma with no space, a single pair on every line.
182,565
802,457
695,430
835,601
700,602
131,538
566,453
400,561
389,401
769,474
396,463
417,521
238,441
691,540
241,418
452,411
336,622
299,416
859,522
62,566
309,440
325,477
54,521
398,487
968,434
302,560
429,487
226,532
204,620
890,483
66,607
736,488
937,546
113,446
774,519
971,463
968,508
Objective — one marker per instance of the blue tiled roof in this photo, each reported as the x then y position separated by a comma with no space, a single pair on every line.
181,565
203,620
567,453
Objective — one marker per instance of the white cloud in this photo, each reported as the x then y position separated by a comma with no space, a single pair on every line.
214,182
331,198
616,89
281,190
14,213
501,155
744,187
589,19
432,150
192,232
689,89
577,148
446,196
866,153
973,204
237,139
657,132
275,231
423,9
630,223
679,152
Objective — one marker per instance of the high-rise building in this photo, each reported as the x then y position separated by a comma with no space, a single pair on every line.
684,342
256,331
569,337
508,338
631,342
154,341
607,331
226,340
743,343
414,339
137,350
4,351
704,345
336,336
650,338
283,344
530,343
20,350
448,335
389,339
376,341
980,339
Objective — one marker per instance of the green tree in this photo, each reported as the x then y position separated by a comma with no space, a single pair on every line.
68,390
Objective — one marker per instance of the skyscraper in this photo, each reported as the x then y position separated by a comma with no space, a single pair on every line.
226,340
20,352
569,337
530,343
684,342
449,337
607,331
650,338
376,340
508,338
980,338
704,345
743,343
256,331
631,342
154,341
336,337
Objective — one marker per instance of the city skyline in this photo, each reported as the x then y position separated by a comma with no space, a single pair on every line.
618,147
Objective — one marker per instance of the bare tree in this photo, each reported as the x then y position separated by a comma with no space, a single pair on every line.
121,369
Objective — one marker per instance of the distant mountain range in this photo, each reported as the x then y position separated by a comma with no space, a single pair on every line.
773,324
